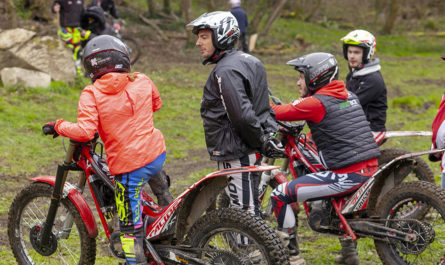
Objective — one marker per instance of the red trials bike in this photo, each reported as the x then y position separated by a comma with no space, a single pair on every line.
406,221
50,221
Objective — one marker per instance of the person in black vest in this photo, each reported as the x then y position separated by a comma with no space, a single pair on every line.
241,17
69,12
339,129
365,79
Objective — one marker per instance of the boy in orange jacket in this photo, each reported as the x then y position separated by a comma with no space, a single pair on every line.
120,106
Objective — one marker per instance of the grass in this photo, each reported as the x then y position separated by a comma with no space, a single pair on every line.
410,65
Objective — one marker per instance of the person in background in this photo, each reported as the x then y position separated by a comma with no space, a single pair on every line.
344,141
107,6
69,12
438,138
241,17
365,79
237,118
120,106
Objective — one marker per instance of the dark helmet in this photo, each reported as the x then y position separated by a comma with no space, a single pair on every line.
96,13
319,69
223,25
104,54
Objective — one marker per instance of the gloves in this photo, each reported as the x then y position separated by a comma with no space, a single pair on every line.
271,147
435,157
48,128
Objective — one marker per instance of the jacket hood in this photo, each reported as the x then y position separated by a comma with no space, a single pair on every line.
113,83
336,89
371,67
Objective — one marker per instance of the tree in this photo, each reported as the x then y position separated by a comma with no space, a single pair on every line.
11,13
391,18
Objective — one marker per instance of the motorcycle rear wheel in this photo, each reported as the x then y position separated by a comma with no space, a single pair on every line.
135,50
28,212
241,233
400,205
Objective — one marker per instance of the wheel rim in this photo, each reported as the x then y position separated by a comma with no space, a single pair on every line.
34,214
430,247
237,242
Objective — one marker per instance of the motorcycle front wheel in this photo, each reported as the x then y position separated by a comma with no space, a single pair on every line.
399,208
241,233
70,242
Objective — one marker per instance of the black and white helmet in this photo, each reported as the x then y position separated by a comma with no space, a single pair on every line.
104,54
319,69
224,26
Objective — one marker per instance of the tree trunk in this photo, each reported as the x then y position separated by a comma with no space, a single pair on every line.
260,11
11,13
392,15
274,15
378,5
186,9
167,8
151,8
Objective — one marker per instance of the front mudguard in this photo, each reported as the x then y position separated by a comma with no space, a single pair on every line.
77,199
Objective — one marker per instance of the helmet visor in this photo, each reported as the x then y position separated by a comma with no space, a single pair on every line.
351,41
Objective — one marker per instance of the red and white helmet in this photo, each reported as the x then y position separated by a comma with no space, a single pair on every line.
360,38
224,26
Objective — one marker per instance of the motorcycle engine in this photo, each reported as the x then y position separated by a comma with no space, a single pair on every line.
320,216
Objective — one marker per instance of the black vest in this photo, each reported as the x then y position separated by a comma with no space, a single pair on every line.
343,137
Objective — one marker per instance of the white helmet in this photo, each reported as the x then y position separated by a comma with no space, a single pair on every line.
235,3
224,26
360,38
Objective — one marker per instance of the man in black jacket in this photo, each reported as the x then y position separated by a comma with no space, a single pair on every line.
235,107
365,79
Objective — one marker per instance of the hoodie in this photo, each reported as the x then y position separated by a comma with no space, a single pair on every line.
120,107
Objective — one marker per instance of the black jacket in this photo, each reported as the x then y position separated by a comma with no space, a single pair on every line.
107,6
70,12
235,107
367,83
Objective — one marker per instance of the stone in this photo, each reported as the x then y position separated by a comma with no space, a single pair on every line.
41,53
30,78
12,37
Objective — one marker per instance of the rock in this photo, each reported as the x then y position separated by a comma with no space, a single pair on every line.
30,78
45,54
13,37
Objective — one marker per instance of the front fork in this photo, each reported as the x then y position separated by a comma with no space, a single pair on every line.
61,175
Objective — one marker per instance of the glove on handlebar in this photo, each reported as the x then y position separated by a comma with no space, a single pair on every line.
435,157
272,147
48,128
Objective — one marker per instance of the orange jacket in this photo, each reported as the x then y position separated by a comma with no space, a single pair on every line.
121,110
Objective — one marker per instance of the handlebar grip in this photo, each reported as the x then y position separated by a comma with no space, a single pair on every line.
47,130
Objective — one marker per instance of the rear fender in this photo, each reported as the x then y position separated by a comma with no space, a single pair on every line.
203,194
77,199
384,181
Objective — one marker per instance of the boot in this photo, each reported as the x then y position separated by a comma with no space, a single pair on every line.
288,237
160,187
348,255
